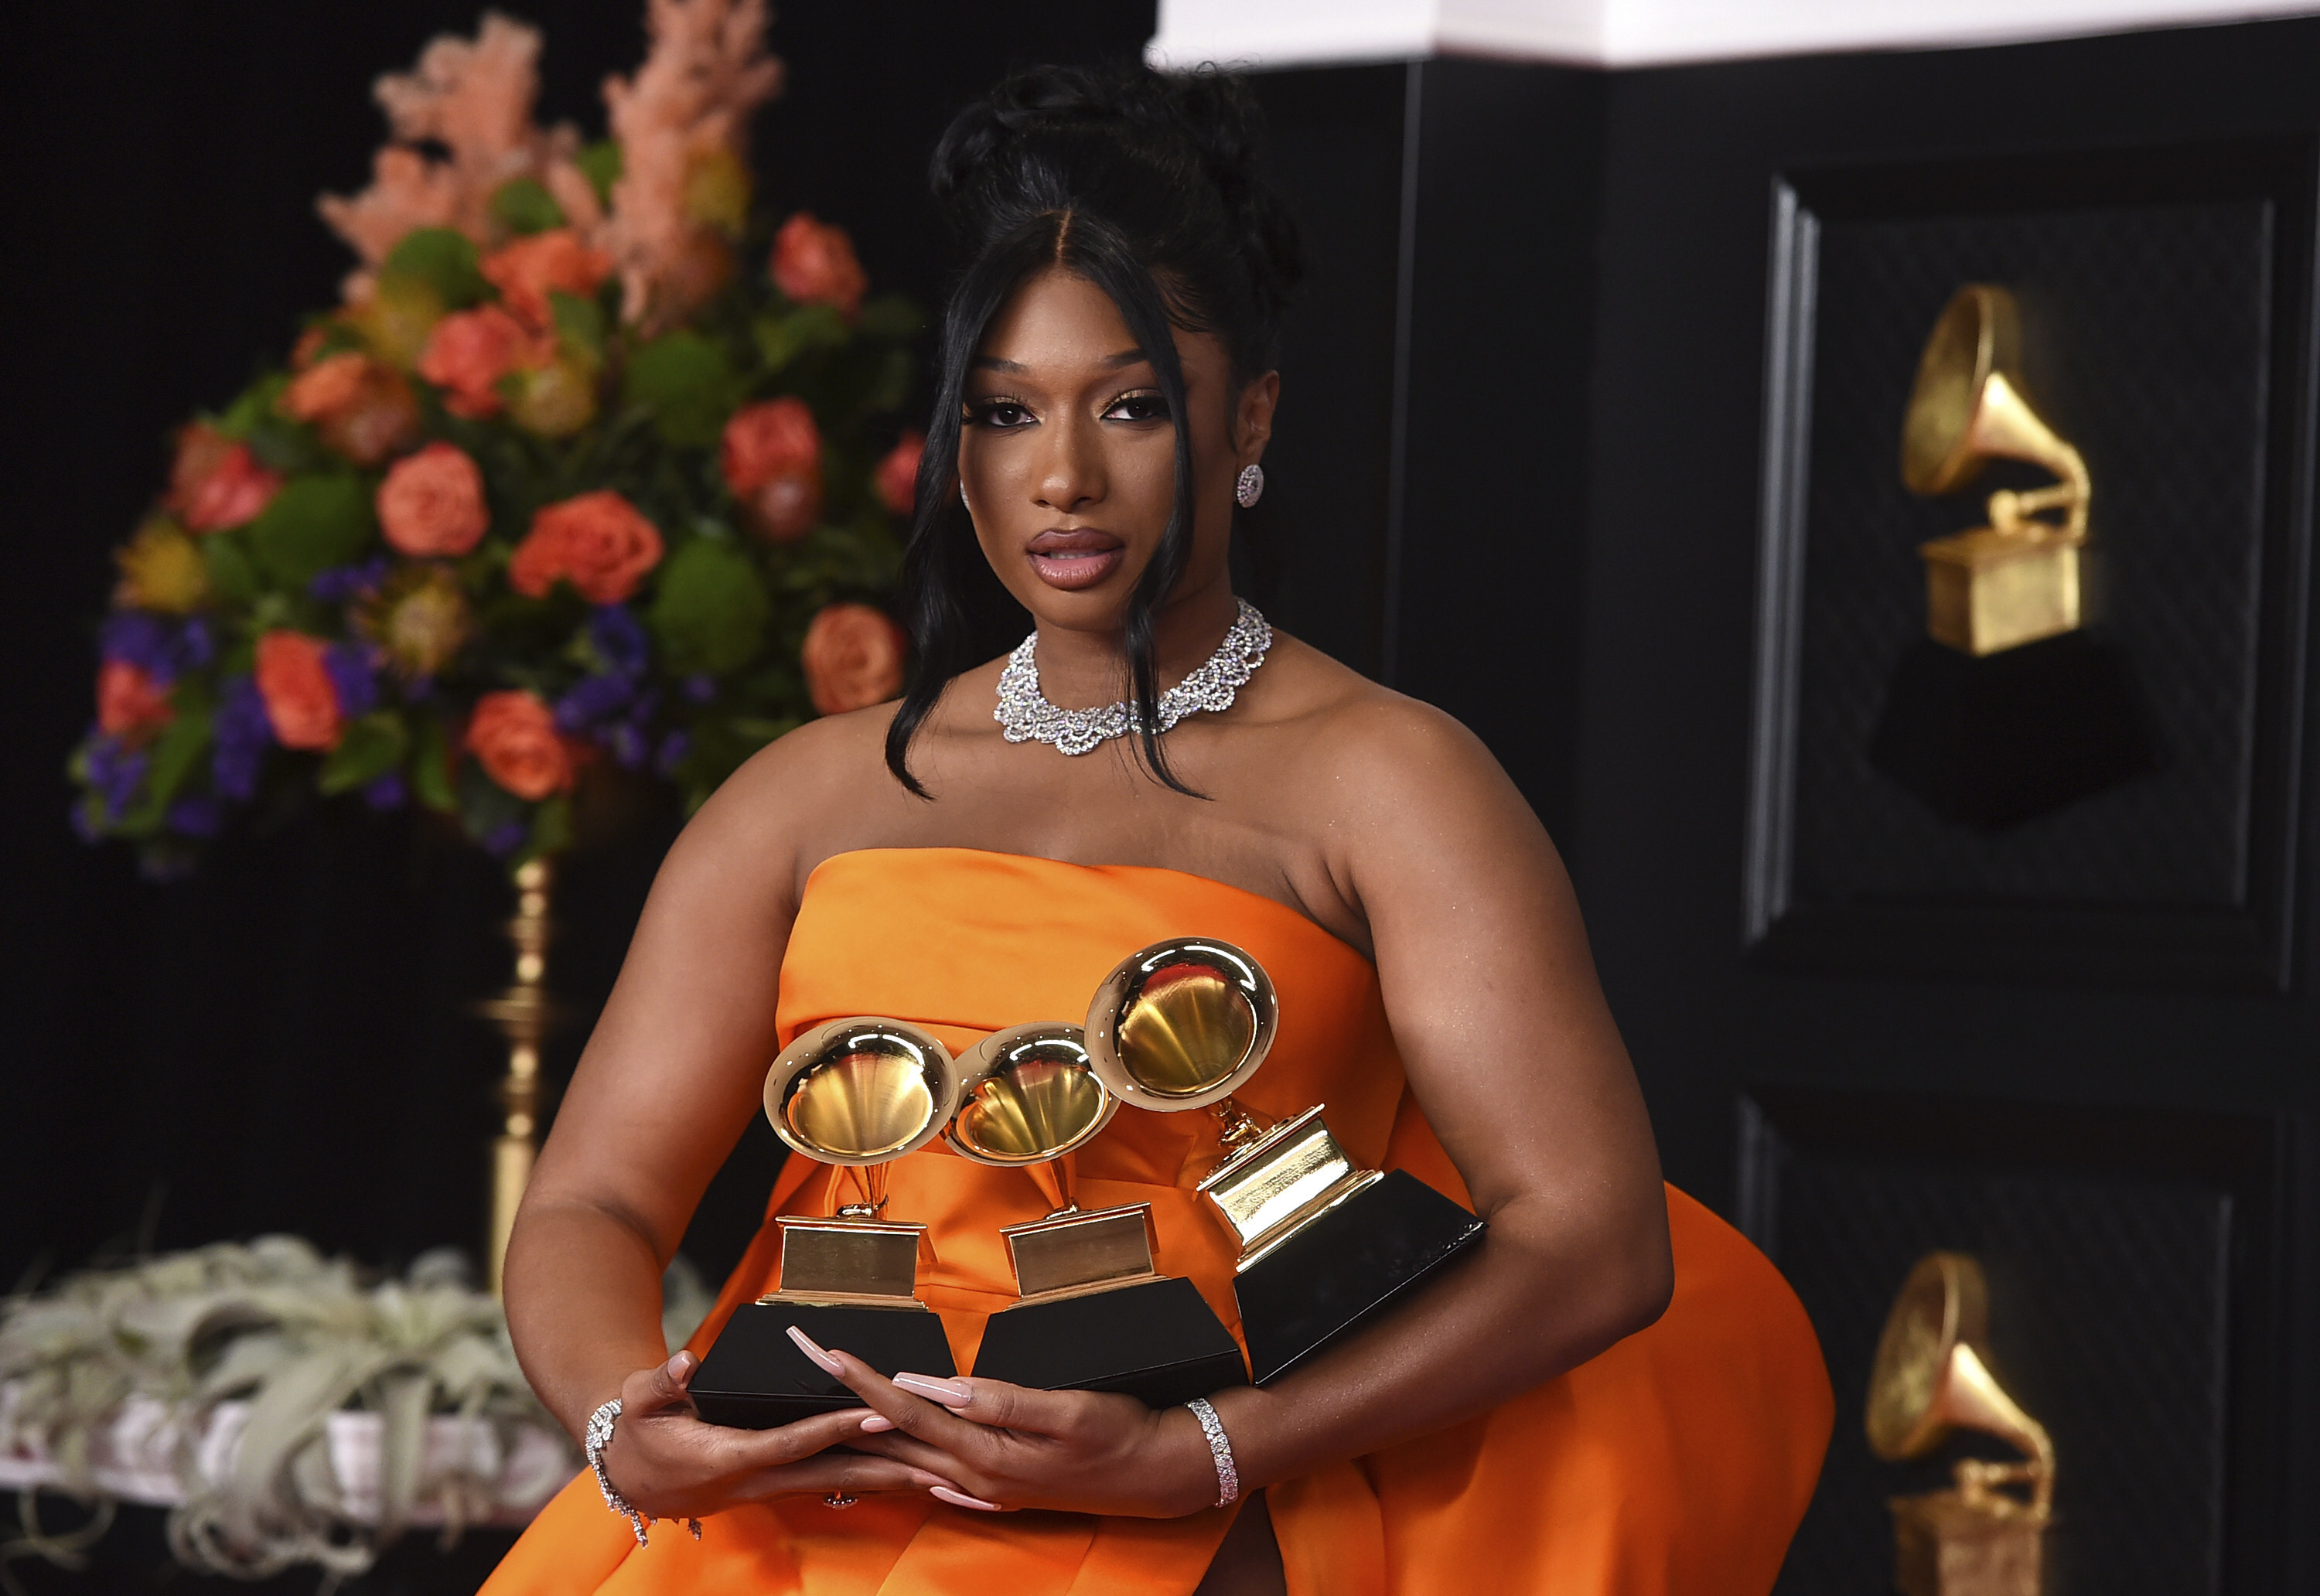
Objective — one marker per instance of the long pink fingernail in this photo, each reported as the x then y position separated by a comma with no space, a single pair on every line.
950,1393
680,1366
805,1344
960,1499
872,1423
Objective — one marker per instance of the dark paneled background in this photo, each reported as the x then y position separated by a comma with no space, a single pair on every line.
1521,471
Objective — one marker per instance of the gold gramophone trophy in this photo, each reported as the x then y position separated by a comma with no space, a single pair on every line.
1325,1244
2016,580
858,1093
1979,1538
1093,1313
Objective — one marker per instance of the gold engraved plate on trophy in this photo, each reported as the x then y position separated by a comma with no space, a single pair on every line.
2016,580
858,1092
1932,1376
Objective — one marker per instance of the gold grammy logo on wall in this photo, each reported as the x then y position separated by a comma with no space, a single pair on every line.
1933,1377
2017,579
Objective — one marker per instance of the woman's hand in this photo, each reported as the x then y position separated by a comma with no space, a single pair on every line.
671,1463
1001,1446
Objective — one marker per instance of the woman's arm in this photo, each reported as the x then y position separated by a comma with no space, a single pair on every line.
670,1077
1512,1053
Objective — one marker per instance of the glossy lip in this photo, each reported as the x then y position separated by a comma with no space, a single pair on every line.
1073,558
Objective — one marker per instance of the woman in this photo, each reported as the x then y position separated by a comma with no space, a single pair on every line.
1613,1392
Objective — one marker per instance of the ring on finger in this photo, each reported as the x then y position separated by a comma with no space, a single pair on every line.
841,1499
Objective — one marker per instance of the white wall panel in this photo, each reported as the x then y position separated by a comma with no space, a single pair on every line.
1645,33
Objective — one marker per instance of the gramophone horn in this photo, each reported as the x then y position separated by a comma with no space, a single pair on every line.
1182,1023
1930,1377
861,1091
1026,1095
1967,408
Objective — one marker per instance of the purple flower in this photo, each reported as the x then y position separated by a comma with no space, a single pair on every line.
593,699
83,822
674,747
145,641
618,639
341,583
162,649
353,670
700,689
387,792
242,732
115,772
504,839
196,814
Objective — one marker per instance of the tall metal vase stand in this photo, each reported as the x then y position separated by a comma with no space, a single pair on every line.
524,1017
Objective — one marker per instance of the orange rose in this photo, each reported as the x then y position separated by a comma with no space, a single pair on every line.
469,352
216,483
130,703
853,659
431,503
597,542
513,735
363,409
815,264
300,699
898,474
527,271
773,463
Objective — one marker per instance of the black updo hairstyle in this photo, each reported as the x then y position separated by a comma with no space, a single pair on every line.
1146,186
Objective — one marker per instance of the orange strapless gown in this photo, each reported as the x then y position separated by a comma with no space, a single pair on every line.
1679,1462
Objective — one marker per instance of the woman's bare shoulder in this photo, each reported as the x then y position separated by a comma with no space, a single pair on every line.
1378,762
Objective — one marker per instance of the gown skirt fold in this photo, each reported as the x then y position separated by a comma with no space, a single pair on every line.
1677,1463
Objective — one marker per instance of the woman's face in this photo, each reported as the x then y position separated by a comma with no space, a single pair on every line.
1069,459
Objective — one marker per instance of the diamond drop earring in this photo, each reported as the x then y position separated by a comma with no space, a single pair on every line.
1250,488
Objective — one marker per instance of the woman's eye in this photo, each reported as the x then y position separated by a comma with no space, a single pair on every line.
1139,407
998,413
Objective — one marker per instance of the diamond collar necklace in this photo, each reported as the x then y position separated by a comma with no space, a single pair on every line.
1028,716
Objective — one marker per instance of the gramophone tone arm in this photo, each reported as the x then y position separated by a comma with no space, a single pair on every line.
2015,513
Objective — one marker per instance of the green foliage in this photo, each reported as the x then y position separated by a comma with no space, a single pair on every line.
686,385
173,755
782,339
367,750
600,163
430,766
712,610
579,327
522,207
441,259
313,523
231,576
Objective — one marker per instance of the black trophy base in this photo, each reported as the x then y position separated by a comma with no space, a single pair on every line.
1352,1263
1155,1340
1994,741
754,1376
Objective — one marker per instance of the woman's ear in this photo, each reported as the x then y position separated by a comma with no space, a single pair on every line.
1252,423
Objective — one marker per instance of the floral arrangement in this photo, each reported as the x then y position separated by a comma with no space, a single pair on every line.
586,470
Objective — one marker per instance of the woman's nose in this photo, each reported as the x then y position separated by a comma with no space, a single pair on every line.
1072,476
